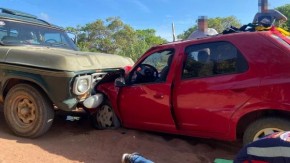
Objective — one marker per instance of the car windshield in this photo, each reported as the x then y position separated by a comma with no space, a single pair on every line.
16,33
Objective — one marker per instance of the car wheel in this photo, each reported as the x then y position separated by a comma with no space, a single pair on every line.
27,112
263,127
105,117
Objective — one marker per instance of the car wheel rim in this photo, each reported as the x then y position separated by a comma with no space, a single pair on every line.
105,116
26,111
266,131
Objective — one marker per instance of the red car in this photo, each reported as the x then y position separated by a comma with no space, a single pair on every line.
224,87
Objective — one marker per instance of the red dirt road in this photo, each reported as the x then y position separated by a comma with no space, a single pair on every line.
78,142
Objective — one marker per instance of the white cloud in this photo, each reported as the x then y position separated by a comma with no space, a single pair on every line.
44,16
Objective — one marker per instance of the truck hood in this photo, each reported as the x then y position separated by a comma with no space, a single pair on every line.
62,59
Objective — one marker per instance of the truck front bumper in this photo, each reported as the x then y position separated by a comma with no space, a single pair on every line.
93,101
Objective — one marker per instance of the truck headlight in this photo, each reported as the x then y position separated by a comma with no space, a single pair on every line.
82,84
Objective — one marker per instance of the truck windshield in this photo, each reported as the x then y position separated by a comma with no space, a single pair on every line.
16,33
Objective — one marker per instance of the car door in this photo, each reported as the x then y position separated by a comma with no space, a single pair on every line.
145,102
213,85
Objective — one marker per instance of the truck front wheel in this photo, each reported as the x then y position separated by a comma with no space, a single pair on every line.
27,112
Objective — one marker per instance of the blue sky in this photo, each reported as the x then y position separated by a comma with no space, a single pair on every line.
140,14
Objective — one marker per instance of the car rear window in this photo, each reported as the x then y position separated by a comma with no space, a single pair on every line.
213,59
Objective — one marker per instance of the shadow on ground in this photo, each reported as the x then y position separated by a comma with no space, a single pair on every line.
78,142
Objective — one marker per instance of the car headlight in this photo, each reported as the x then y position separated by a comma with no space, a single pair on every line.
82,84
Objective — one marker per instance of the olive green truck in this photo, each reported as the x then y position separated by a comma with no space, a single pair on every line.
41,70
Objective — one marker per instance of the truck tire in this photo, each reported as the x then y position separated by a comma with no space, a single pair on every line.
263,127
27,111
105,117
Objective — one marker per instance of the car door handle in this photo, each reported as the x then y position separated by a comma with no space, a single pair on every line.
159,96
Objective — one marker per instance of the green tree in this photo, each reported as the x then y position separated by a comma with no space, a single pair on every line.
187,33
80,36
144,39
100,34
218,23
116,37
286,11
221,24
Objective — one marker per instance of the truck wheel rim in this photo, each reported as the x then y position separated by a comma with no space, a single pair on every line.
105,116
26,111
265,132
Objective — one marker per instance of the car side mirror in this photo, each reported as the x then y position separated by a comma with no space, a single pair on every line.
120,82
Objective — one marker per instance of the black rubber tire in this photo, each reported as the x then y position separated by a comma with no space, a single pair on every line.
43,113
260,124
114,120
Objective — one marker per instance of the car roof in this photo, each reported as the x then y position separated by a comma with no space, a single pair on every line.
218,37
24,17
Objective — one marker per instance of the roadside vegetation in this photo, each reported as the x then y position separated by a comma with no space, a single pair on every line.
286,11
114,36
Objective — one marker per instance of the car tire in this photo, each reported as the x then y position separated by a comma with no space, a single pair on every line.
27,111
105,117
263,127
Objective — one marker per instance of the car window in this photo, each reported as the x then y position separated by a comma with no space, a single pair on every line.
13,32
17,33
52,36
212,59
154,68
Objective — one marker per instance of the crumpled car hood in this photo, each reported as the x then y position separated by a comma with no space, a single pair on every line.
62,59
